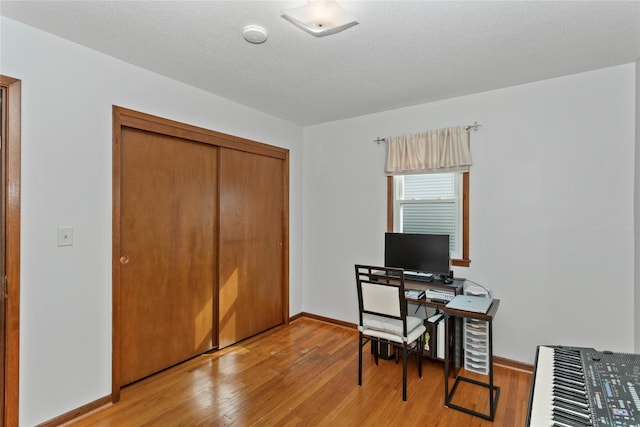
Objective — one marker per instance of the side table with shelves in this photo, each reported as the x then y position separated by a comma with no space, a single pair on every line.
494,391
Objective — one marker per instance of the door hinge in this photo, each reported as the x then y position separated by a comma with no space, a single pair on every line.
5,286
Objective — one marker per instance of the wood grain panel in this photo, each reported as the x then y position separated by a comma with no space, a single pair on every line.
251,284
139,120
167,234
11,154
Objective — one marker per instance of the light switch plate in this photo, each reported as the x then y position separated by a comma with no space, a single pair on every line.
65,236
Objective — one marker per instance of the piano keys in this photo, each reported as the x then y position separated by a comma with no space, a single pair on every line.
576,386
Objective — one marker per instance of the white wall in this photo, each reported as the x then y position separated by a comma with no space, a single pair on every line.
551,210
67,95
637,216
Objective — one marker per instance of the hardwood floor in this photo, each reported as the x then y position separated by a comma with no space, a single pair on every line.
305,373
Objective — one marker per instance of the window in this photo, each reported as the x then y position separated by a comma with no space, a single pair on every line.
435,204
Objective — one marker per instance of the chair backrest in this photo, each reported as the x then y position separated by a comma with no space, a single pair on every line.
381,292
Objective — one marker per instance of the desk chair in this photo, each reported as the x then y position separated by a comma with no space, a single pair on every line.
383,317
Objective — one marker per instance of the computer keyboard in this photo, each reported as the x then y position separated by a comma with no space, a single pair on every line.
418,277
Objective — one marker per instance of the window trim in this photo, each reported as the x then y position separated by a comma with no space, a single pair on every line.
458,262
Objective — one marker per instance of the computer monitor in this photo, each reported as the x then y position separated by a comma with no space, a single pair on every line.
426,253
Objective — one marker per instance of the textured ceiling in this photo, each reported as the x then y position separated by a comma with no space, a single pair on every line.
401,53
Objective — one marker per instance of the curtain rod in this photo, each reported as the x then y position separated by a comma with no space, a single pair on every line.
474,126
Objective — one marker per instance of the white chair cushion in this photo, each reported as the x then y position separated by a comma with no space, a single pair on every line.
391,329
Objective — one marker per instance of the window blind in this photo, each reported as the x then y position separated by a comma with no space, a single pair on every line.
429,204
434,186
431,218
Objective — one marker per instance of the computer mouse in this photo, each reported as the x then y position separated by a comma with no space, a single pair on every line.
447,281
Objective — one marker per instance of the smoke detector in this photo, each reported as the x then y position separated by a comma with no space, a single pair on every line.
254,34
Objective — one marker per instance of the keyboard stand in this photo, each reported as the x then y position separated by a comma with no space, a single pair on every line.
494,391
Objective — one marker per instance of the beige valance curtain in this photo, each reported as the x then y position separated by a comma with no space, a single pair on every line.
433,151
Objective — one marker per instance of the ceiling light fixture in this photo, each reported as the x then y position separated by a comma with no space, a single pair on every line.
320,17
254,34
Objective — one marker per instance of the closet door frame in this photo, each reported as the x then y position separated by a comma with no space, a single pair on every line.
10,282
126,118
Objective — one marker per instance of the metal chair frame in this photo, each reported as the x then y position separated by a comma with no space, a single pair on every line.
394,278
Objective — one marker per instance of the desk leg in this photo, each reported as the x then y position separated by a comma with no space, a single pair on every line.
446,360
493,397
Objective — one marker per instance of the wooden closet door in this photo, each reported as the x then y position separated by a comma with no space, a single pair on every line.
168,251
251,245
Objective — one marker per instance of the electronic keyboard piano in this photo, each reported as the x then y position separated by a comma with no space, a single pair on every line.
575,386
